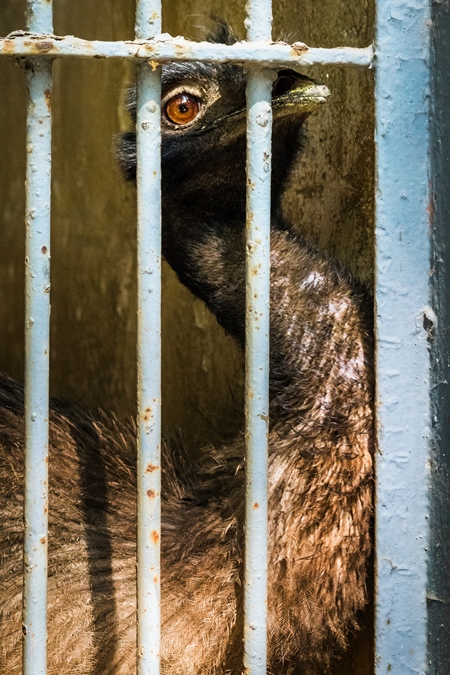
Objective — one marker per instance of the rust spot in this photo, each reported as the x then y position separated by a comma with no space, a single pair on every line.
8,45
154,16
154,537
24,630
44,249
151,494
43,540
430,210
155,580
147,415
48,99
298,49
151,468
45,509
44,46
256,505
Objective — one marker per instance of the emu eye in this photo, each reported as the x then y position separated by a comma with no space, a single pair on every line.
182,108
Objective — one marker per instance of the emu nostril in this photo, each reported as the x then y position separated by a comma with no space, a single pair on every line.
283,84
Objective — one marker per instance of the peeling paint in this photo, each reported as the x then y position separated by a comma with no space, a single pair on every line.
298,49
37,335
403,213
259,129
166,48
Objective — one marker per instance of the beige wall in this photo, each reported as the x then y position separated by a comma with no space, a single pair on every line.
93,244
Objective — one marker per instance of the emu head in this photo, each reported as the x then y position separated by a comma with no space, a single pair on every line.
203,124
204,130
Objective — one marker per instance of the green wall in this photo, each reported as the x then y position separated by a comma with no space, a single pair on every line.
93,241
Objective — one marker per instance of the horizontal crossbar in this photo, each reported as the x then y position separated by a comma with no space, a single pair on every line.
167,48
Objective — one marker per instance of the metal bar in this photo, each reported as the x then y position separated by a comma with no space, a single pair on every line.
37,344
148,24
259,139
166,48
403,316
439,330
40,16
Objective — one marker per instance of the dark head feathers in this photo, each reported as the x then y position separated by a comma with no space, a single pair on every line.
126,154
221,32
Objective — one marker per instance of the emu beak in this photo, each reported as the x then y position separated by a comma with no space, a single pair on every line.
295,94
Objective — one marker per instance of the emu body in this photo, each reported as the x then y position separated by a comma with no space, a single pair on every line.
320,440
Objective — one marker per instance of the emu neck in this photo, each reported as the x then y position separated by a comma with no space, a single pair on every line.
319,333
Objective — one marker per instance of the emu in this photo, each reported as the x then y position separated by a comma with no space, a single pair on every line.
320,443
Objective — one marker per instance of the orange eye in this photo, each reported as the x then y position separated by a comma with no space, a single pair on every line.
182,108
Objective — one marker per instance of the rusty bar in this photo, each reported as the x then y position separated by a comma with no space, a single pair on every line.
37,345
259,136
148,130
167,48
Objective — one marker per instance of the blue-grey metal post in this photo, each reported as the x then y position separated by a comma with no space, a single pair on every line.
37,344
404,326
148,24
259,130
439,341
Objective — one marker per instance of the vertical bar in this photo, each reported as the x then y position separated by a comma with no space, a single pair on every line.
403,316
148,24
40,16
37,343
259,134
439,342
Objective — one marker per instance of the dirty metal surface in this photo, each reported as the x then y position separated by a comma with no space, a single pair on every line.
167,48
37,346
259,137
404,319
148,130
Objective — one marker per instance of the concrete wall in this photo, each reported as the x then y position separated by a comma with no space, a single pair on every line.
93,245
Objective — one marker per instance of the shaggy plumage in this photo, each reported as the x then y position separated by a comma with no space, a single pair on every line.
320,464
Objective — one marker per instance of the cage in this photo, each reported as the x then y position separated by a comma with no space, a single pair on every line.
339,194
